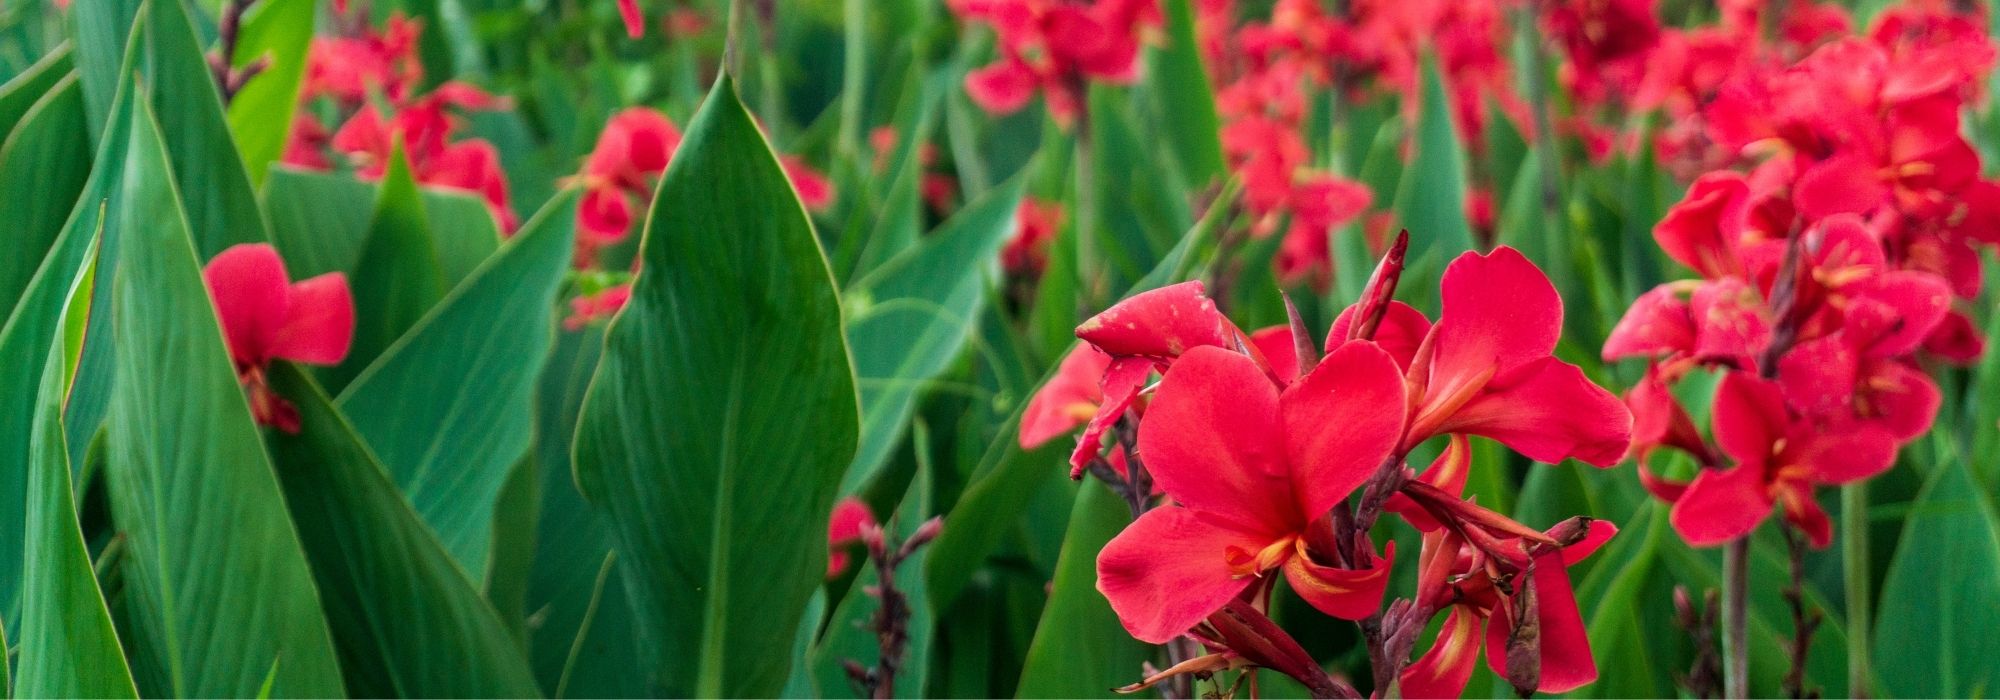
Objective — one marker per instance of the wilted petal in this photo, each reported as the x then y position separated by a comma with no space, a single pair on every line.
1340,423
1213,441
1721,505
1170,569
1348,594
1549,411
1564,645
319,322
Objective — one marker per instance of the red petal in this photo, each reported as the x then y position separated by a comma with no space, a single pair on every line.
1122,382
1692,232
1843,184
1170,569
1402,330
1900,398
1749,418
1213,441
1818,376
1730,321
1068,400
1721,505
1002,88
605,214
1337,431
1348,594
1276,344
1850,453
319,322
1499,311
844,525
1659,323
1443,671
1549,411
1160,324
1600,532
1447,473
1890,313
251,295
635,24
1805,514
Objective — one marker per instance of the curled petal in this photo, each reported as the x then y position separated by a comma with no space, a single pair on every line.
1348,594
1956,340
1549,411
1662,488
1721,505
1169,569
1447,473
1693,230
1805,514
1121,384
1599,533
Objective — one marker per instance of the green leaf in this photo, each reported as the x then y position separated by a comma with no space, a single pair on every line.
1142,206
43,167
449,407
320,222
35,324
912,316
1080,648
100,31
260,116
1940,602
1183,98
725,376
1430,199
23,91
216,586
68,646
405,617
220,205
398,277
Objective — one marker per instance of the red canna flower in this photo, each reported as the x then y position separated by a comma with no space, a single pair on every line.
1779,457
1486,369
635,23
348,69
843,529
265,316
1054,47
1068,400
1251,467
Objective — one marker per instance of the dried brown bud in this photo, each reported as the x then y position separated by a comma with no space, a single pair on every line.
1524,640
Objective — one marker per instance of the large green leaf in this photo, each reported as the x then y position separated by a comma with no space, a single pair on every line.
30,329
449,407
68,646
1142,207
722,415
320,221
909,319
24,90
397,278
1080,649
260,116
1184,99
405,617
1941,602
43,166
220,600
1430,199
220,205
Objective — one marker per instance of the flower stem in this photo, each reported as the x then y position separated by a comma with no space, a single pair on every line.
1735,619
1854,560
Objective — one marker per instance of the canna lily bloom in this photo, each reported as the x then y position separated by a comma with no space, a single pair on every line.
1779,457
348,69
1251,470
1458,576
265,316
843,529
1486,368
1028,251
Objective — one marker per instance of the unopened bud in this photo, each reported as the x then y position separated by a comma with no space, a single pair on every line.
923,536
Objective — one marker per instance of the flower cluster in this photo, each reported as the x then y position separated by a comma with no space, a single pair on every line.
371,77
1054,47
1252,446
1828,262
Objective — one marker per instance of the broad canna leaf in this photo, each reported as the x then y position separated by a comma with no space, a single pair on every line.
1080,649
396,279
22,91
449,407
217,593
43,166
720,420
320,221
406,619
1940,601
910,318
68,646
260,116
35,324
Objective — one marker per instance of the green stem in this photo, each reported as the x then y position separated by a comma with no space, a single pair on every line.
1854,560
1736,619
